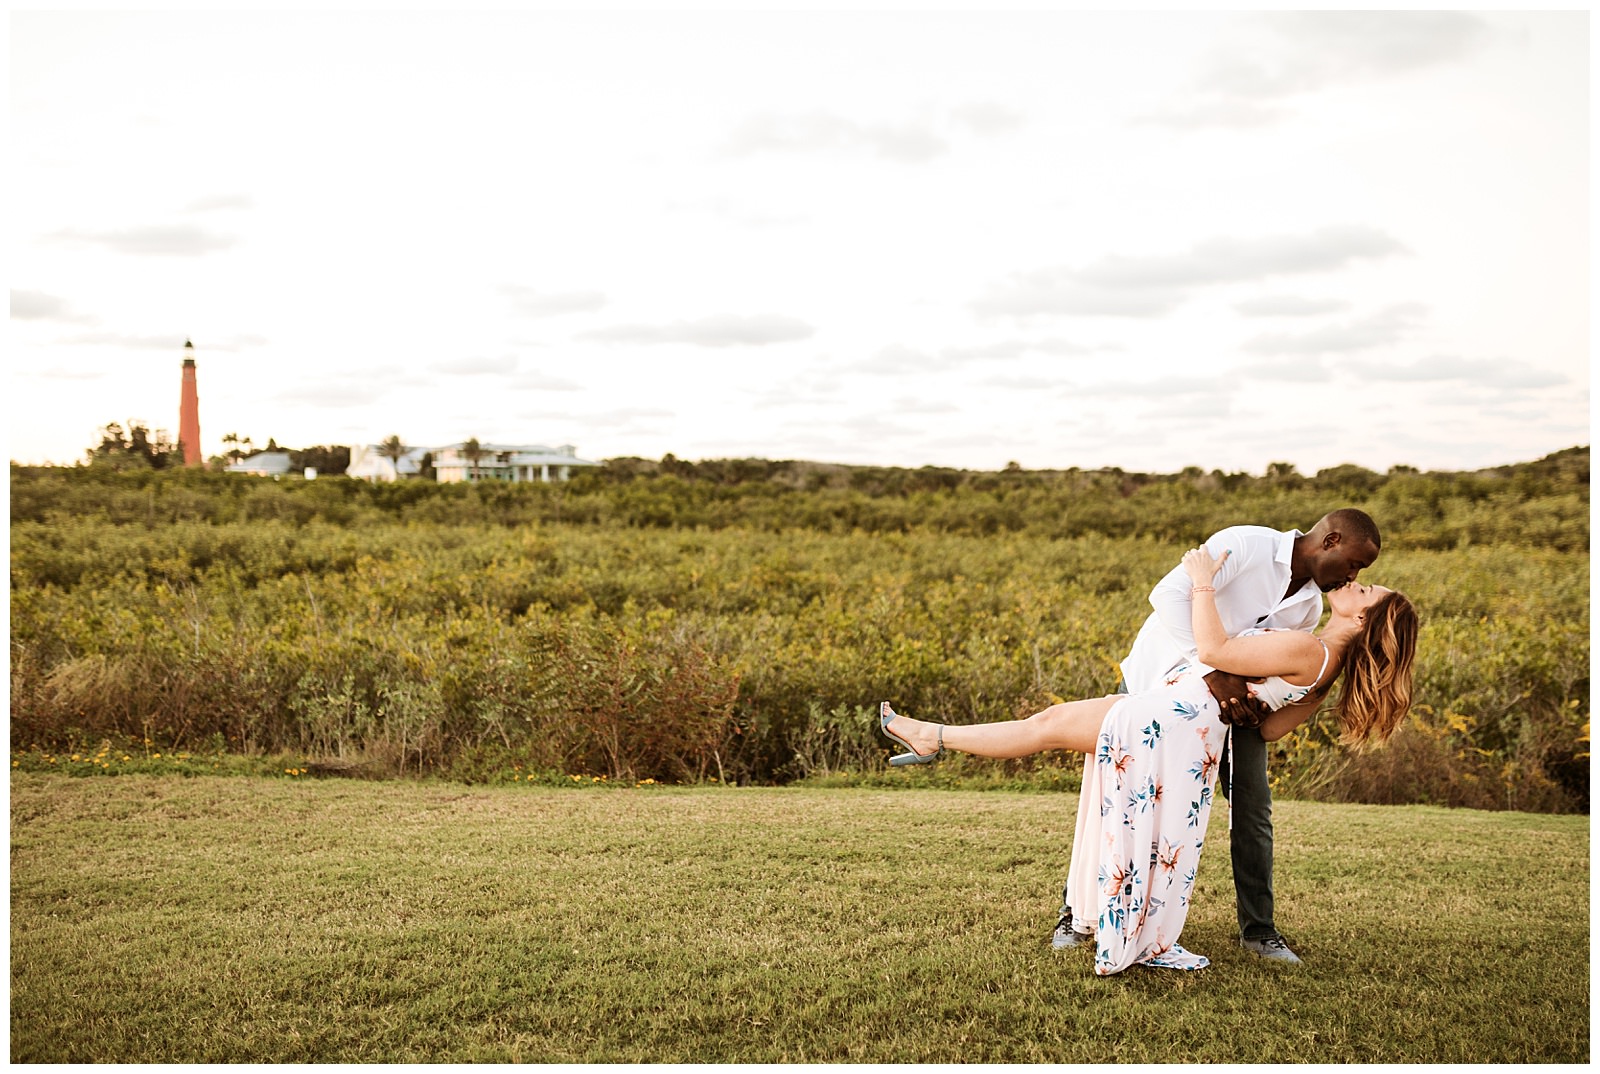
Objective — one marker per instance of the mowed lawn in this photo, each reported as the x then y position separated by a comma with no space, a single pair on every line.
248,919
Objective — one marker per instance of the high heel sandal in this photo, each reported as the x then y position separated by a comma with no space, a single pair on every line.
885,714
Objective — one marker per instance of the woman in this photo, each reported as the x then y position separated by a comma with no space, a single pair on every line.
1147,797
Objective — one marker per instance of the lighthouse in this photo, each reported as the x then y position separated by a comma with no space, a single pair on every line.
189,411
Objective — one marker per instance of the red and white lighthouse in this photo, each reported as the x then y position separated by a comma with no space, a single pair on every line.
189,412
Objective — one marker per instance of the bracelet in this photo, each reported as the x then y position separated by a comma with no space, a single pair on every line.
1203,589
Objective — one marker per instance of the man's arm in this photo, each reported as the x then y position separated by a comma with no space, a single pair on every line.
1240,708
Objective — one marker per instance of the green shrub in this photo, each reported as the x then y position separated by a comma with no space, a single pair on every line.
740,622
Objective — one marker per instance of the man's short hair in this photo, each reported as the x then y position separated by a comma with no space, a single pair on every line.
1352,524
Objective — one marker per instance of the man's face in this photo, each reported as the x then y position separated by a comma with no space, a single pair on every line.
1340,560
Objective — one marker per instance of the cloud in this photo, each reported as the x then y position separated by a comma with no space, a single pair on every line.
234,343
729,331
1296,52
534,381
475,365
1375,330
1180,417
897,359
336,395
1271,443
1014,348
621,418
163,342
907,404
1235,115
825,132
1023,383
65,373
817,386
911,141
162,240
876,425
1064,291
1296,371
1288,306
1279,56
1186,388
741,213
1150,286
531,303
1226,260
127,340
1482,371
39,306
986,117
220,202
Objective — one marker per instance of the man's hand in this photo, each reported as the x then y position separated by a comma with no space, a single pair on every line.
1239,708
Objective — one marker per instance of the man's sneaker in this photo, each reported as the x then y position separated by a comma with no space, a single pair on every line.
1271,947
1064,936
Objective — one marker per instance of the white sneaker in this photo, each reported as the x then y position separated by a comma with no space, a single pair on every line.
1272,947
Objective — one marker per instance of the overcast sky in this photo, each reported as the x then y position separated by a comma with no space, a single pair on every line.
1062,238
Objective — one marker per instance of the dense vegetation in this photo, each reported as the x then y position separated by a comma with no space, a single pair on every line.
735,619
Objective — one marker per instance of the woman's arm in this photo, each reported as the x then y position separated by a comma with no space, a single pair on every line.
1289,717
1287,653
1171,597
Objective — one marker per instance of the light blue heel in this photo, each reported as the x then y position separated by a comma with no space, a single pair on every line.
885,714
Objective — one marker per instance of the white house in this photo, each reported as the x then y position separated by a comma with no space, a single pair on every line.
263,464
370,463
507,462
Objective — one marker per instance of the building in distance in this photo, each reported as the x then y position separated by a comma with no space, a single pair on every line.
464,462
263,464
506,462
368,462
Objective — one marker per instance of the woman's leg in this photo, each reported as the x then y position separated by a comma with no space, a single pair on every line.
1072,725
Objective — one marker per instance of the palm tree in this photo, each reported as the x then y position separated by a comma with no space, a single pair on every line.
394,450
473,451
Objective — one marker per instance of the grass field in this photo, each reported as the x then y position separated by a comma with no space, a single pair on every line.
249,919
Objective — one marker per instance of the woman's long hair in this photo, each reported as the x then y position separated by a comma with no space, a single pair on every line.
1377,673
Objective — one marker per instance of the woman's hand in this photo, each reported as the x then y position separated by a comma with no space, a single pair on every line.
1199,565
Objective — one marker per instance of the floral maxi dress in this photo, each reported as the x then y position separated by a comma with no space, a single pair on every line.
1142,816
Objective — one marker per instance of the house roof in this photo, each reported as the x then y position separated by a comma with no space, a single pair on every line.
272,462
548,458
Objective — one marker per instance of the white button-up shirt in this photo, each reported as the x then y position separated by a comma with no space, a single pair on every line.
1250,589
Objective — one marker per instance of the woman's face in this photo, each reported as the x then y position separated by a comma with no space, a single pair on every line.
1355,598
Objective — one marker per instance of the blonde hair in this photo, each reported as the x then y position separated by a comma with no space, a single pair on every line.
1376,694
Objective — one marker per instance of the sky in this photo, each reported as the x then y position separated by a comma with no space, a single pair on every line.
1052,237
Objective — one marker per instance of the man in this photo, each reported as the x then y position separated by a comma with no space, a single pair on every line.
1271,579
